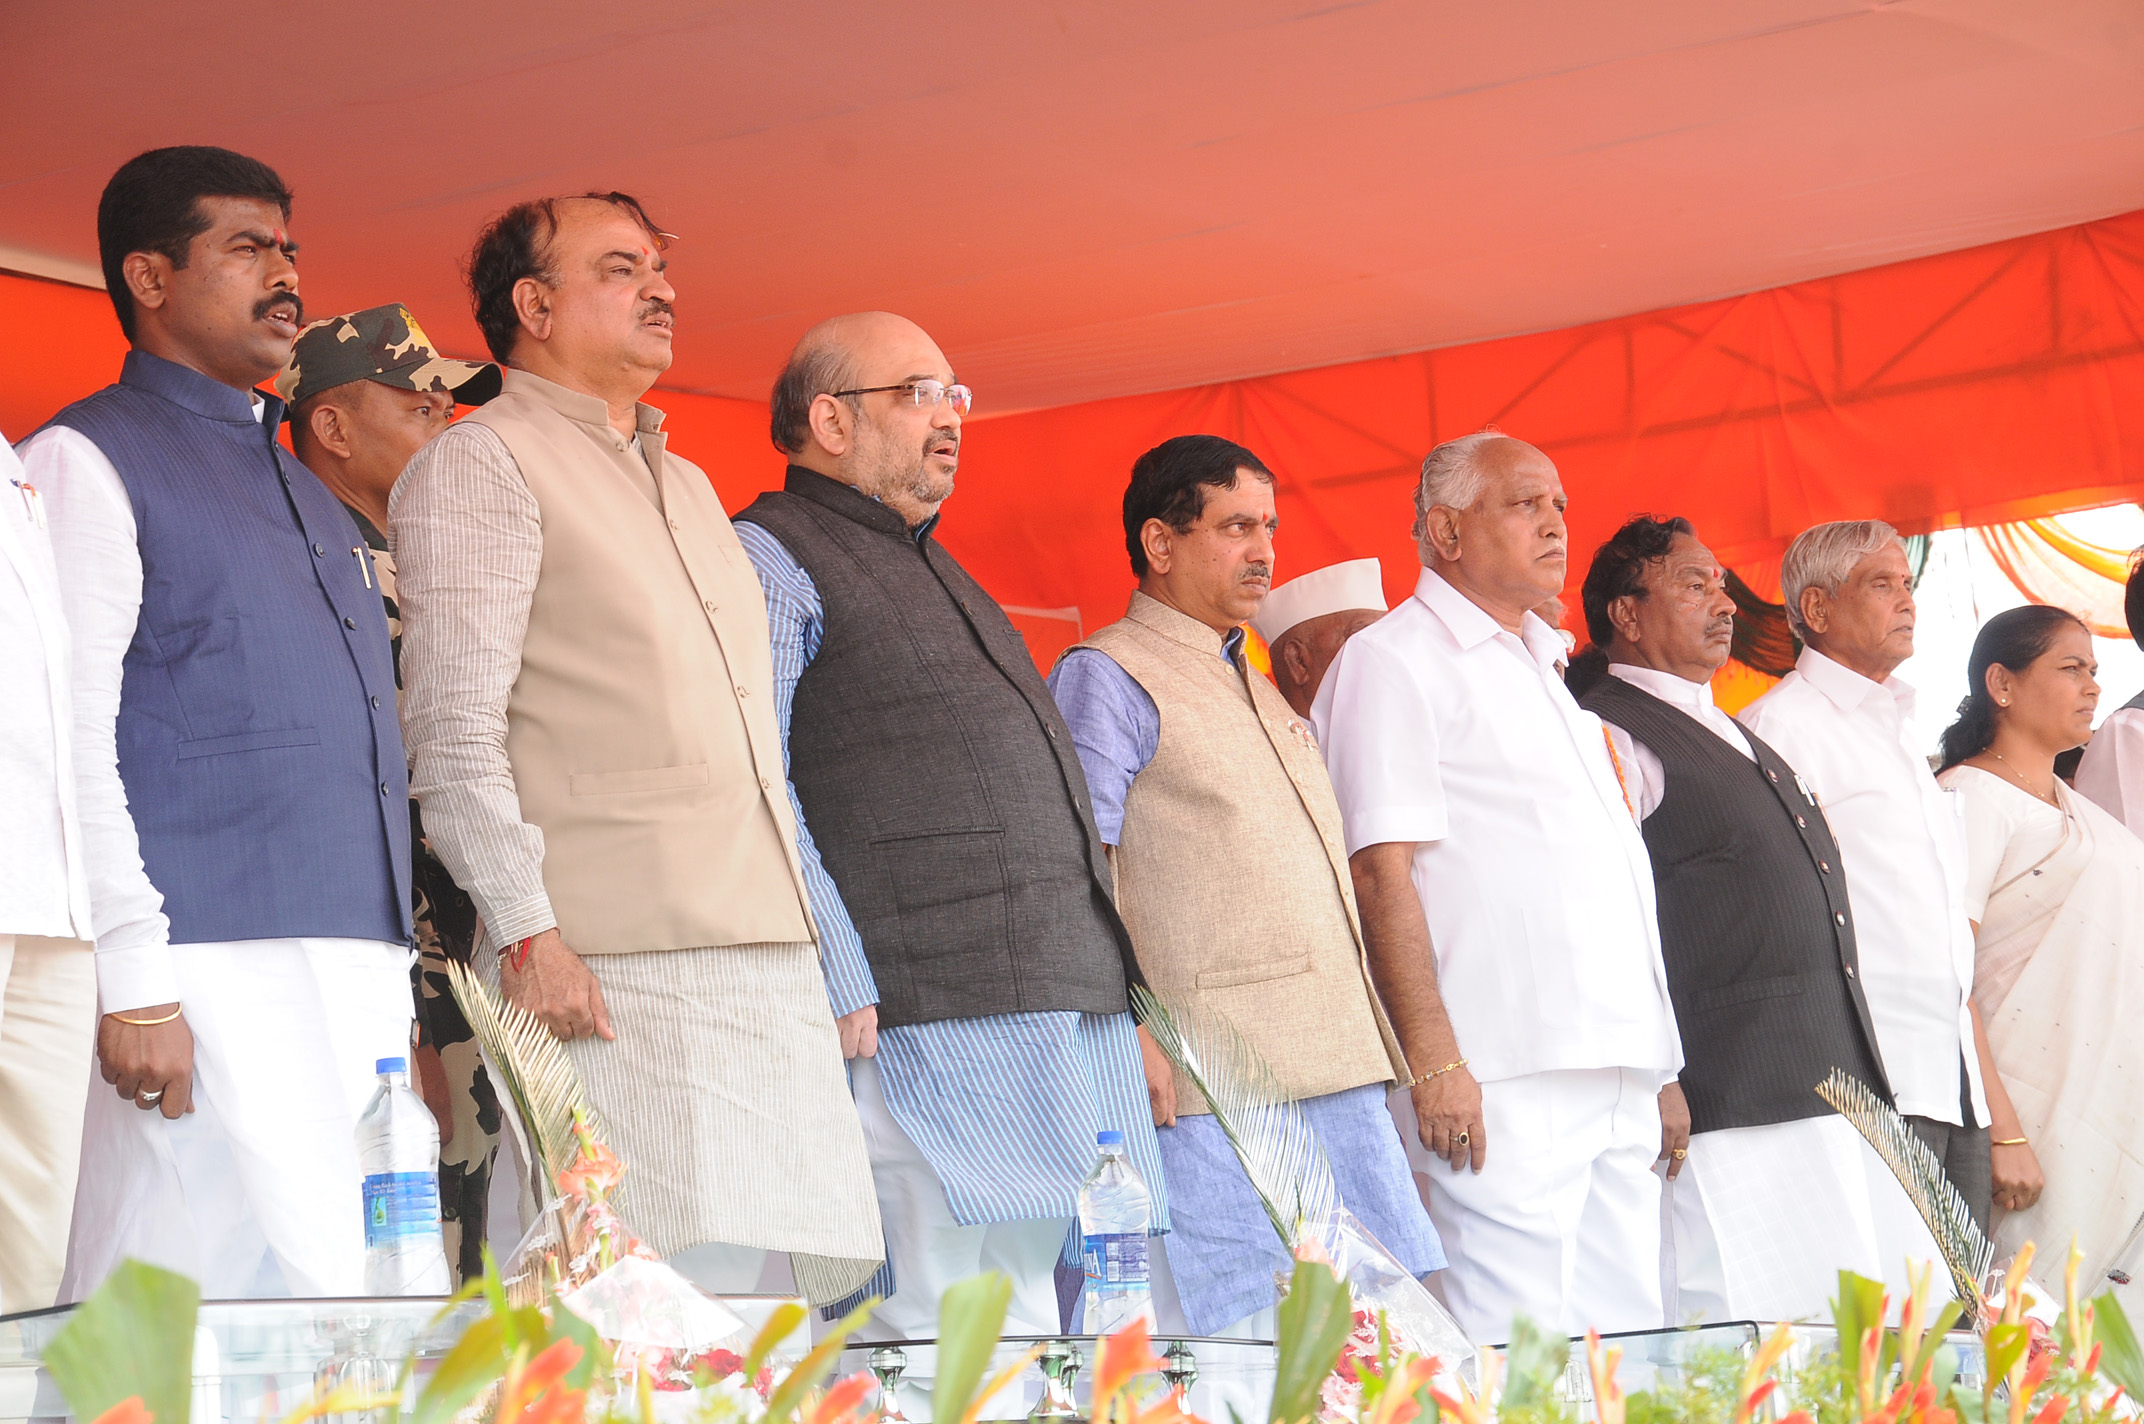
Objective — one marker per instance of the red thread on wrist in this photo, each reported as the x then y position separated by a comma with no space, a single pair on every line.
517,953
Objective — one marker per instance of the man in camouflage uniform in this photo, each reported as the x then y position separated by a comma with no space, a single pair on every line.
365,392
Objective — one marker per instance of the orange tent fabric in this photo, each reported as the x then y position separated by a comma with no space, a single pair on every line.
1998,383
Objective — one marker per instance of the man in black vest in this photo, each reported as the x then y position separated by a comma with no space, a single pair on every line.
972,949
1774,1192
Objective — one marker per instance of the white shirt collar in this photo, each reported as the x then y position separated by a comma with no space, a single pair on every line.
1849,689
1680,691
1470,624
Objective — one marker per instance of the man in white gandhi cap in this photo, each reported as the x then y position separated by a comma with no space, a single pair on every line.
1306,619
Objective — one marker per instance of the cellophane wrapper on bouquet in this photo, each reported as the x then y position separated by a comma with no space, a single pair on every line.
1382,1288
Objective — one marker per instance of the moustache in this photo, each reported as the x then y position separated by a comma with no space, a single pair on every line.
267,305
1261,572
656,306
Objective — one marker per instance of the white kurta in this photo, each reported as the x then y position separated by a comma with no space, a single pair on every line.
2112,772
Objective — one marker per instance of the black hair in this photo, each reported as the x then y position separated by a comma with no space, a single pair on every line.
517,244
2133,598
153,204
1169,483
822,370
1618,571
2015,639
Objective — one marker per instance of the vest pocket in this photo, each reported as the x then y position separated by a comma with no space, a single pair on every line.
950,890
654,778
1254,973
248,742
1779,987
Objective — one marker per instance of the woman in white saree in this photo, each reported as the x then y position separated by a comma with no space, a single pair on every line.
2055,888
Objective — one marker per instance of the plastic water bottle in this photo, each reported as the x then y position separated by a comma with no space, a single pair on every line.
398,1152
1115,1211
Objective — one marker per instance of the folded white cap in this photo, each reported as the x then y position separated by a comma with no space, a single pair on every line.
1336,588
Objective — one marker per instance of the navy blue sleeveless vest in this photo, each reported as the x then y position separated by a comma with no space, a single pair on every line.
257,733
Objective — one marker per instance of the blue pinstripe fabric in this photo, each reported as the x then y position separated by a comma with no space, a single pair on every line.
1005,1108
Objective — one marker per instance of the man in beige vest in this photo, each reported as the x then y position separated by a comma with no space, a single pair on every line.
586,693
1232,876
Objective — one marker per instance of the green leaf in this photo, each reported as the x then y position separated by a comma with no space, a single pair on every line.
135,1336
565,1325
476,1361
783,1403
1858,1308
1315,1321
783,1319
1939,1324
1534,1363
971,1317
2120,1359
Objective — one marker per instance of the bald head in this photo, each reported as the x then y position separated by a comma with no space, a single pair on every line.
878,437
1489,520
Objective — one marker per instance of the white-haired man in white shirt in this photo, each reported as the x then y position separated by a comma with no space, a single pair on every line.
1307,619
1846,724
1507,902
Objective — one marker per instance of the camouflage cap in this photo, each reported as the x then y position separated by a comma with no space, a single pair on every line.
382,344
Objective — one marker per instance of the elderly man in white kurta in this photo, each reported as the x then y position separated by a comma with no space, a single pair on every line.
1507,899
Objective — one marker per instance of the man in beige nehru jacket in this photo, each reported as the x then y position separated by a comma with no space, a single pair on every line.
587,692
1307,619
1232,876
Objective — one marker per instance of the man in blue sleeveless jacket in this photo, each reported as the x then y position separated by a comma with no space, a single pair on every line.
232,658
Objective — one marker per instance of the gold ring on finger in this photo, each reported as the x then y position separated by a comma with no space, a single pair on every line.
1464,1138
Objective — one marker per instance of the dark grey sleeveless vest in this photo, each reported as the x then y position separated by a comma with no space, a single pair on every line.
938,779
1755,927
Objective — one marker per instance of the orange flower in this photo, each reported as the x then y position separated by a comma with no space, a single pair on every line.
839,1404
127,1411
537,1392
1119,1359
593,1174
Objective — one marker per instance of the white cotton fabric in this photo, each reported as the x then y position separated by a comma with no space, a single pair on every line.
1902,845
2112,772
257,1193
1648,779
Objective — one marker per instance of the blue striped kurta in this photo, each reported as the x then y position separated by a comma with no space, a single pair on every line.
1005,1108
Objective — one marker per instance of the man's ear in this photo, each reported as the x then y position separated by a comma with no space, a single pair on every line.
1159,542
532,305
330,429
1623,613
1816,609
1441,527
148,278
1292,655
831,423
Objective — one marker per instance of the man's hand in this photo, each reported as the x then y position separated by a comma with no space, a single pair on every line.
2018,1180
1674,1129
557,988
859,1032
153,1067
1447,1109
1160,1079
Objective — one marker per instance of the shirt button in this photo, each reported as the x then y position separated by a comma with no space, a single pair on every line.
1771,773
1825,866
765,784
1840,918
320,550
349,622
1849,971
1052,731
375,703
675,525
708,604
383,788
1799,821
743,691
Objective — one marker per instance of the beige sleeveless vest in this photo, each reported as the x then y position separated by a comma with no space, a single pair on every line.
1231,870
641,728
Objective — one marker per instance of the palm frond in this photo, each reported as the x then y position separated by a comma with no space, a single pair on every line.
539,1078
1966,1250
1279,1151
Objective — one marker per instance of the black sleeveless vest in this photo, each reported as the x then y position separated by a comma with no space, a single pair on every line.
1755,927
938,779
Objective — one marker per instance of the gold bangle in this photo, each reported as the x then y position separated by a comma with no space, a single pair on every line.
1420,1078
2007,1141
150,1023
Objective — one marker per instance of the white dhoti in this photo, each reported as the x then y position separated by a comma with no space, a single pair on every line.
1761,1221
1563,1224
257,1192
48,1029
724,1096
930,1250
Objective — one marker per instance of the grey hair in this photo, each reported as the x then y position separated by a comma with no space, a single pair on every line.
820,369
1452,477
1825,556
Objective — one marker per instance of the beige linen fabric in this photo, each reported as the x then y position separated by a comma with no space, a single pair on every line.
610,636
725,1096
48,1028
1231,872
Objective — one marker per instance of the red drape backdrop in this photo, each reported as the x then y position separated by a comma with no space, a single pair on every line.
1996,383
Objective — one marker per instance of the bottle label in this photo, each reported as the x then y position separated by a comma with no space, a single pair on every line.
400,1206
1116,1261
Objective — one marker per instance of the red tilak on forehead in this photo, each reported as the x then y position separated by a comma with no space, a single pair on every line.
282,238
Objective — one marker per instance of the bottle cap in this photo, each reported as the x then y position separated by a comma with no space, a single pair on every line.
391,1065
1109,1137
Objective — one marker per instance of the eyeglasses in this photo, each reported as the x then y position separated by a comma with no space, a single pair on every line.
924,393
